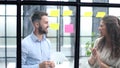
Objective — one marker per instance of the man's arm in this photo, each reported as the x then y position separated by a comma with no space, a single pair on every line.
30,66
24,57
44,64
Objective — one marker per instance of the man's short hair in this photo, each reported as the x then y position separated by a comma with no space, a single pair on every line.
37,15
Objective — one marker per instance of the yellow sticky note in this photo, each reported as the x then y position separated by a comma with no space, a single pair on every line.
100,14
54,26
54,12
67,13
88,14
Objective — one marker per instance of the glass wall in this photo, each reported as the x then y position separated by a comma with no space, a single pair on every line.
61,30
7,36
90,18
63,20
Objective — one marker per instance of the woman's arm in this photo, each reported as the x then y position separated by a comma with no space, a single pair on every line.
100,62
91,60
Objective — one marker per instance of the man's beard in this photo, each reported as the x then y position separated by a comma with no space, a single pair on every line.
41,30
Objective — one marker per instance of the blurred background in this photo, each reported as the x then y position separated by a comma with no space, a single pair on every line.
62,30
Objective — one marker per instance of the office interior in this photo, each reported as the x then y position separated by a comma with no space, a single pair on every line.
73,25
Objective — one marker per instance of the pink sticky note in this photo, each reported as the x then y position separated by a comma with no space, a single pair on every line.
69,28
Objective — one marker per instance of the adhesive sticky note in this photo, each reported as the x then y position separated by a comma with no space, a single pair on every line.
54,12
87,14
67,12
54,26
100,14
69,28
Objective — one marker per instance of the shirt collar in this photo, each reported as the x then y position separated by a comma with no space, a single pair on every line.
34,37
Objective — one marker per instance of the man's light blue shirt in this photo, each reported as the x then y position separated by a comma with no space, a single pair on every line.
34,51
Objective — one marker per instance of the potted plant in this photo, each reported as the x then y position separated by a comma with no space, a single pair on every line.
89,45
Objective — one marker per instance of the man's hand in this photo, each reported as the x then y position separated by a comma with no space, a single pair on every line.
47,64
52,64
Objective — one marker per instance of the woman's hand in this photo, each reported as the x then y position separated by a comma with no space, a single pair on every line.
92,59
101,63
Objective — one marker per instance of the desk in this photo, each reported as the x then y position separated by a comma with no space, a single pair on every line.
65,64
11,65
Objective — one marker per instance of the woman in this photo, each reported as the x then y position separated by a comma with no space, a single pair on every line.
106,51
